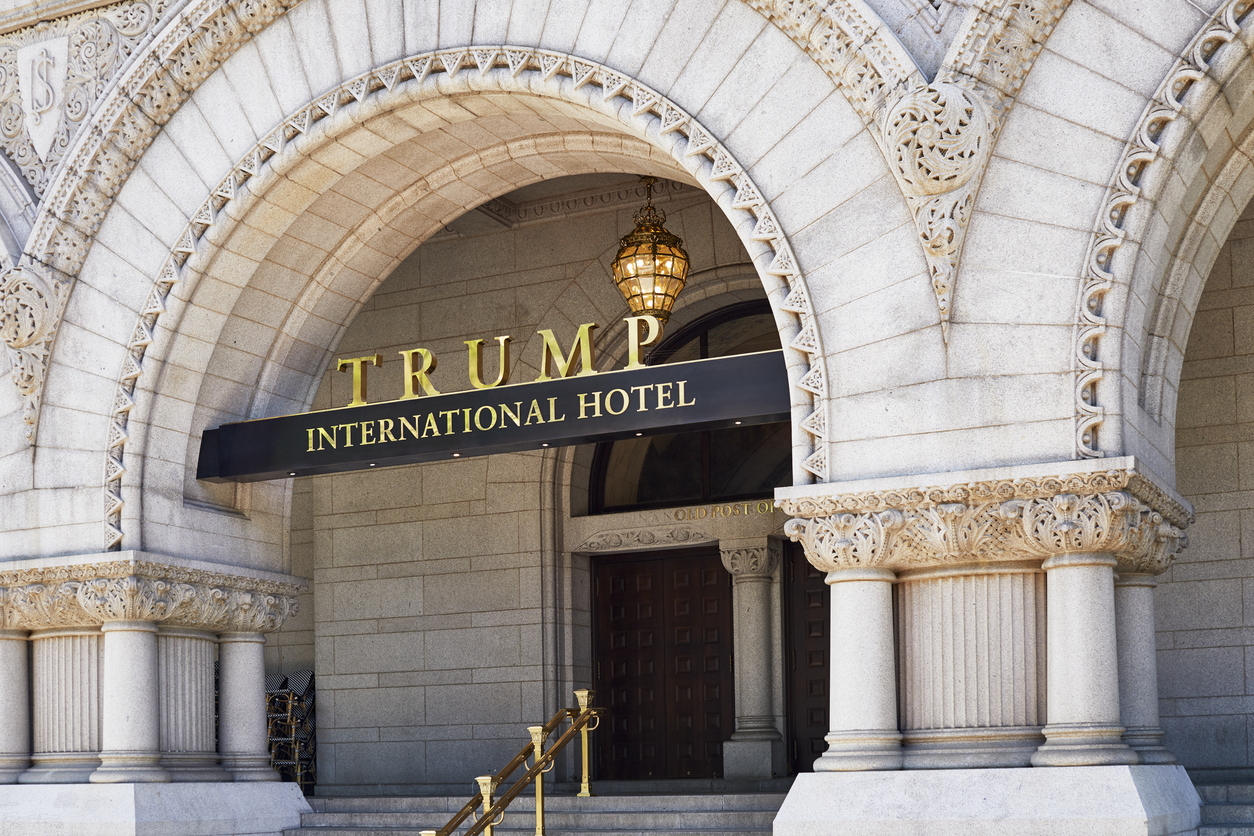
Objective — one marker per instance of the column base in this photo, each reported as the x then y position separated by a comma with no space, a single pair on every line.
1111,800
213,809
249,767
130,768
1084,745
1005,746
1147,742
61,768
857,751
194,766
12,767
753,759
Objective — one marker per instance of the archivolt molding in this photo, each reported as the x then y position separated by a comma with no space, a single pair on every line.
648,113
82,171
1142,155
1118,512
127,590
937,136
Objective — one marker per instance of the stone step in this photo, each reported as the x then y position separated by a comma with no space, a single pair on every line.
451,804
1226,793
1224,813
505,831
654,820
1225,830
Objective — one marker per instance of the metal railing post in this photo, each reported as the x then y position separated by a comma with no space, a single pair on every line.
487,783
537,740
584,698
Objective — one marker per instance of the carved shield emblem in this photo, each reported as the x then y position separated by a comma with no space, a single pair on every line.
41,70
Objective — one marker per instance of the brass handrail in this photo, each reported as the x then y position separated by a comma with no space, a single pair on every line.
493,812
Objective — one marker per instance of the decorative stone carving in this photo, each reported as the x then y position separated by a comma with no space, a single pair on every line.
31,304
1117,512
631,539
937,136
127,590
1141,152
755,562
53,74
540,72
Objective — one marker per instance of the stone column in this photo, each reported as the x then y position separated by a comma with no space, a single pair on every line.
66,699
1083,693
756,748
130,734
242,735
1138,666
15,697
185,692
863,718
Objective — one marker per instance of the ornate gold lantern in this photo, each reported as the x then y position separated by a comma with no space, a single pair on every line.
651,266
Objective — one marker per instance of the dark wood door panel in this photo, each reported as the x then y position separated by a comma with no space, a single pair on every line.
663,644
807,613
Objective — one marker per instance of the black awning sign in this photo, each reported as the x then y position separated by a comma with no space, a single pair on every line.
701,394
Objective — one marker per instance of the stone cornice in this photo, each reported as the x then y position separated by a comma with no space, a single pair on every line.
1120,511
44,594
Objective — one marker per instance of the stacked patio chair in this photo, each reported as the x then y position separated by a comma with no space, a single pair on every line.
290,713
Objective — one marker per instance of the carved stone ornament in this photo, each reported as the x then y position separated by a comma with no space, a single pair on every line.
93,594
53,74
31,304
638,538
753,562
1115,512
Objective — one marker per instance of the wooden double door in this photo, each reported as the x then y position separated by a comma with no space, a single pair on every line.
663,664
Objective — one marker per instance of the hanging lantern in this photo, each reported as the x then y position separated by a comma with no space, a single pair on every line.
651,266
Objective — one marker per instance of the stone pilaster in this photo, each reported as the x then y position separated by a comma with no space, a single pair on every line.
756,747
1007,611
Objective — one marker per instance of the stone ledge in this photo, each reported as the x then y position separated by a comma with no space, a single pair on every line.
1062,801
192,809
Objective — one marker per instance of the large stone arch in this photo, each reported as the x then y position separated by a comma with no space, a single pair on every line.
358,96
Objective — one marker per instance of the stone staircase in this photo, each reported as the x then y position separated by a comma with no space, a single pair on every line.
713,814
1227,809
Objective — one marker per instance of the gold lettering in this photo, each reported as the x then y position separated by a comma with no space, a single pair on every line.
358,365
385,430
727,511
762,507
664,396
595,403
701,514
642,390
479,424
716,511
348,433
552,352
429,362
634,343
466,424
430,428
682,402
534,412
553,411
681,515
448,429
367,432
514,414
311,432
626,401
413,428
476,364
323,435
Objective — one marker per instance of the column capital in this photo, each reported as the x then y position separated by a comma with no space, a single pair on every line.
1004,514
750,561
46,594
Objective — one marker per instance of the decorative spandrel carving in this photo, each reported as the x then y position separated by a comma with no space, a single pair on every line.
644,538
752,562
53,74
31,304
93,594
1115,512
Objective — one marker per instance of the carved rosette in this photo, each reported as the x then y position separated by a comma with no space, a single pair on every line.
1115,512
31,304
753,562
101,593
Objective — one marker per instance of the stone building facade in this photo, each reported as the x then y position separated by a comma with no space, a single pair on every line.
1004,248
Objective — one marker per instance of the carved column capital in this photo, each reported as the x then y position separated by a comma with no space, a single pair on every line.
750,562
1117,511
90,594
